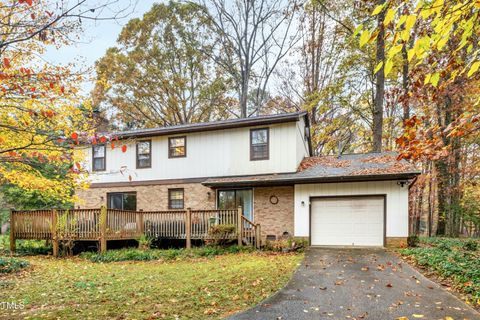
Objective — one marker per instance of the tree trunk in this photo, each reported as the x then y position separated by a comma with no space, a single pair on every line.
244,96
379,85
405,101
443,199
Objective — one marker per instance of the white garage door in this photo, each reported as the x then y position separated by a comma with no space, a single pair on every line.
353,221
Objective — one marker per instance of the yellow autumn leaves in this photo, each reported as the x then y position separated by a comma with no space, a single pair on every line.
444,20
39,108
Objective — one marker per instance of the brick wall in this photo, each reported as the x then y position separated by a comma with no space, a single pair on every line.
152,197
274,219
396,242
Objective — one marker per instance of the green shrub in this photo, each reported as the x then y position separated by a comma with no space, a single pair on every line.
144,242
444,246
25,247
165,255
277,245
299,244
470,245
9,265
454,259
412,241
287,245
221,233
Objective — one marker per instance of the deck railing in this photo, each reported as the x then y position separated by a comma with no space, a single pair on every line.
110,224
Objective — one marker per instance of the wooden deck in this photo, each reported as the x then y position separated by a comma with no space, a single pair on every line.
104,224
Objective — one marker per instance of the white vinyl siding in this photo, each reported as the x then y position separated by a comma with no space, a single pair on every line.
302,142
396,200
209,154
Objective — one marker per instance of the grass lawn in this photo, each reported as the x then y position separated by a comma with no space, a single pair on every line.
204,288
457,261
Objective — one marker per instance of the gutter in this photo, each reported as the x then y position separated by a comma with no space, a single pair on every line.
413,182
211,126
293,181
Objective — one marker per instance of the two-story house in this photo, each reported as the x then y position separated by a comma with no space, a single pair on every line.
263,164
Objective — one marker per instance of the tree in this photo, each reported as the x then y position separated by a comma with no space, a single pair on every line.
254,36
333,79
450,31
40,108
436,44
24,199
160,73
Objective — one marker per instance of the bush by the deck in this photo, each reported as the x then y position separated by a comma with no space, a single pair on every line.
9,265
157,254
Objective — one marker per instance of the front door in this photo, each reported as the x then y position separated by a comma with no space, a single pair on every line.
232,199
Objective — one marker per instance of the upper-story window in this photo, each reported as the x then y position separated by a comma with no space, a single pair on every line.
177,147
144,154
98,156
259,144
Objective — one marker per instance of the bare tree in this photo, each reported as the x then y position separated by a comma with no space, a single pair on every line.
253,36
45,21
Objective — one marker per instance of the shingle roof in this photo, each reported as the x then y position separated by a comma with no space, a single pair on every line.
214,125
348,167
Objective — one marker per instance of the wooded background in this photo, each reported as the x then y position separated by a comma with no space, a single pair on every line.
373,75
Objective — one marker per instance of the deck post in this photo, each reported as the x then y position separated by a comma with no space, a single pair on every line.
258,236
140,226
188,227
12,233
103,229
55,233
239,225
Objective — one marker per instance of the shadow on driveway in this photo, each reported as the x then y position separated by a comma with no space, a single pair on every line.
359,284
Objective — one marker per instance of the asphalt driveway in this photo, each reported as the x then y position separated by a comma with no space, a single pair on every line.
359,284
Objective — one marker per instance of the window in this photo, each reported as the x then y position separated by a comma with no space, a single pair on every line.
232,199
177,147
259,140
144,154
175,198
98,157
122,201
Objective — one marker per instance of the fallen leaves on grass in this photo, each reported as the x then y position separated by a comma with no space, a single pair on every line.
199,289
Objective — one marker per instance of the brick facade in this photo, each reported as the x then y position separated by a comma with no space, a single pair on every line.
274,219
151,197
396,242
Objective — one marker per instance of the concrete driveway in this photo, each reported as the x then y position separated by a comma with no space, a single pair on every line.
359,284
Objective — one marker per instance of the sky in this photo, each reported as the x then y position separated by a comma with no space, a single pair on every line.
94,42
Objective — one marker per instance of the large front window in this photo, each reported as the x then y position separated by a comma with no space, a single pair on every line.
122,200
232,199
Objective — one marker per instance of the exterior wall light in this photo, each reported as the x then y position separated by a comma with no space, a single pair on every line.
402,183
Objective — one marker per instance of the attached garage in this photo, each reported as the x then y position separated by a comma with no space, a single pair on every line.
348,200
347,221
